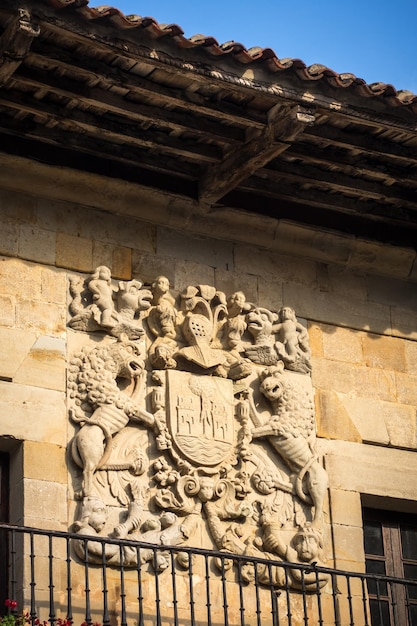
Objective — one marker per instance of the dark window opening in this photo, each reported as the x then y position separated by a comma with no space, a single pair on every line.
390,541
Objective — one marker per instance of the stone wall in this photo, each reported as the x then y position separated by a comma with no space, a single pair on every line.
362,328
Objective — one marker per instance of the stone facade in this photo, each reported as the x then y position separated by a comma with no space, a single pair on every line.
359,311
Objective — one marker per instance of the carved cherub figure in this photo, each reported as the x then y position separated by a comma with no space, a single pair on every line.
306,548
93,516
160,291
161,323
101,288
236,324
292,344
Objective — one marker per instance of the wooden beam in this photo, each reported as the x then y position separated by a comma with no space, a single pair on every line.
155,112
307,174
84,122
315,198
364,142
44,147
330,218
15,43
112,101
354,164
283,127
47,57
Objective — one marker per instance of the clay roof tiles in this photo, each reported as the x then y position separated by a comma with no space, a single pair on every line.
240,53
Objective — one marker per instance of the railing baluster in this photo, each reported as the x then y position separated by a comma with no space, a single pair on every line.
174,588
349,598
364,601
335,593
157,595
241,602
273,596
208,594
140,588
257,598
319,607
123,621
288,595
224,590
69,588
87,585
13,581
32,580
191,587
303,591
52,616
106,616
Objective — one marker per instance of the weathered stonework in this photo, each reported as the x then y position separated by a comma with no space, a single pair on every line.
194,421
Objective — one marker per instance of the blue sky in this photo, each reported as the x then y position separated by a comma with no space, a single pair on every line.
374,39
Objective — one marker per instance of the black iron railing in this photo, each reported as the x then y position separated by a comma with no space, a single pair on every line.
56,576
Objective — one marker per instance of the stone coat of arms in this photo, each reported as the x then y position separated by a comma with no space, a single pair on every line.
193,424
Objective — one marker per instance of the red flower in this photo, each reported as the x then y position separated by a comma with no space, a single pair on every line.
12,604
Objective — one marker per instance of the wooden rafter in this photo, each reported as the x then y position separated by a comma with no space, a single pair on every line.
15,43
330,199
283,127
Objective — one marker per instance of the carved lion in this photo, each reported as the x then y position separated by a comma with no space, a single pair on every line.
102,407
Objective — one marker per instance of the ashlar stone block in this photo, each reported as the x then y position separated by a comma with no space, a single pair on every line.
41,460
43,317
401,424
45,499
410,348
7,310
20,278
384,352
341,344
406,388
375,383
44,365
370,469
119,258
37,244
229,282
33,414
333,375
333,419
315,336
348,543
252,260
54,285
14,347
202,250
366,414
382,259
187,272
75,253
9,236
346,507
337,310
403,323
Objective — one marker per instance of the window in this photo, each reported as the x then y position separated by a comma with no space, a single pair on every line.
391,549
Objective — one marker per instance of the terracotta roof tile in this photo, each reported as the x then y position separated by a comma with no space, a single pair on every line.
243,55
